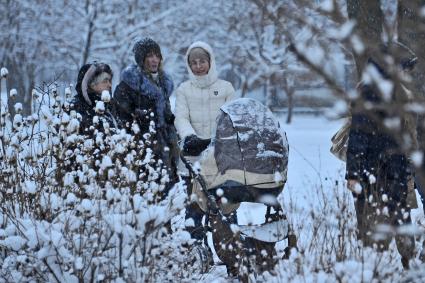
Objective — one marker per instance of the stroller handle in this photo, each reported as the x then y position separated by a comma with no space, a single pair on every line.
211,202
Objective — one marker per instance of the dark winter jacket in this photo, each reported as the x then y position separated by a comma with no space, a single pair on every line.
371,150
87,108
137,95
146,94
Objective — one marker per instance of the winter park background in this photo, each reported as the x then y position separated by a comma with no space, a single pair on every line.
295,56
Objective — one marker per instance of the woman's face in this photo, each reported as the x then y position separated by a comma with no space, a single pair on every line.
151,63
104,84
199,66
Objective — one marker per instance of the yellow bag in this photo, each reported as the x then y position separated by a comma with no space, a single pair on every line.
340,141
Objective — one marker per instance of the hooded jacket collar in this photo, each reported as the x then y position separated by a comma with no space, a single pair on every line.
211,77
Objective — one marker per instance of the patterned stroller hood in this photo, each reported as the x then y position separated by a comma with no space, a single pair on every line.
248,159
249,138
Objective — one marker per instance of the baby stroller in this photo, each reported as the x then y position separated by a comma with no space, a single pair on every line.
246,162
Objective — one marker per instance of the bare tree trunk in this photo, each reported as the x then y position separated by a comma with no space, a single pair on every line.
26,96
90,31
244,88
411,31
289,89
86,51
266,91
272,92
369,18
273,101
22,78
16,80
290,94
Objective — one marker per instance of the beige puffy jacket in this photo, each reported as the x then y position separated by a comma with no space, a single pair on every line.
199,99
213,178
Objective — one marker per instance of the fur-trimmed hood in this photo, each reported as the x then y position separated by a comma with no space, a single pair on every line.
212,76
85,75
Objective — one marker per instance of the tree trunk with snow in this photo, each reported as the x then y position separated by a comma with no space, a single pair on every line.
369,18
289,88
411,31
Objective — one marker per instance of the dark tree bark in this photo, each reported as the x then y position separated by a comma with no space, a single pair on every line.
22,78
90,31
411,31
290,107
369,18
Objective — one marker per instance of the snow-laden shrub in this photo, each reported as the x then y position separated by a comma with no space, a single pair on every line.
86,208
328,250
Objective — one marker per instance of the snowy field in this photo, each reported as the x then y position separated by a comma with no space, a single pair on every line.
313,195
310,161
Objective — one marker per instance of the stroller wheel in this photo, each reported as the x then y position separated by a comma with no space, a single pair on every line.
200,258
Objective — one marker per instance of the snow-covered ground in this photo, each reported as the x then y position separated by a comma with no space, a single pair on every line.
310,161
315,180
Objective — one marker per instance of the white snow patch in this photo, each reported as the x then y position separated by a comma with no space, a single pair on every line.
372,179
106,162
100,107
68,91
189,222
14,242
71,198
278,178
13,93
385,198
386,87
339,108
219,192
4,72
422,12
415,107
268,199
86,205
357,188
17,121
106,96
357,44
30,187
79,265
392,123
417,158
327,5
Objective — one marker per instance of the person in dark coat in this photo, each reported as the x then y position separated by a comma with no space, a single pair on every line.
143,96
93,79
378,172
94,109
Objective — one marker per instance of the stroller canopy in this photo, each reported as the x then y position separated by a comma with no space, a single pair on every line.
249,138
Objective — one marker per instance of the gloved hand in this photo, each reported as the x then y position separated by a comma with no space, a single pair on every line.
193,145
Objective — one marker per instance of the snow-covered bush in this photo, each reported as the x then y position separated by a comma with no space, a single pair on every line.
328,250
86,208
